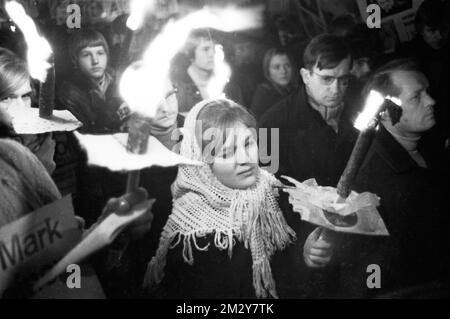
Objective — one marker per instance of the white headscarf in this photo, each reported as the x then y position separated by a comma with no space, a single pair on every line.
203,205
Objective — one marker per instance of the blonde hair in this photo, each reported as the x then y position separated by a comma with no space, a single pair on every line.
13,73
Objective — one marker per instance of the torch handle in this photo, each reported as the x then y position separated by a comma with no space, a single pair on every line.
125,49
327,234
47,94
133,181
356,159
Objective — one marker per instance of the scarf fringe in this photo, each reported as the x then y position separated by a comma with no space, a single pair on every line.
263,281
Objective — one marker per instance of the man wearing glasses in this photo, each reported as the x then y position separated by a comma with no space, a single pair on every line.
315,122
316,137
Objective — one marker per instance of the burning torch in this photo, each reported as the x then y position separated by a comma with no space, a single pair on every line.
138,10
39,57
143,87
367,121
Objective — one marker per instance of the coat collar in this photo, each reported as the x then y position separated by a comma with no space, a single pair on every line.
392,152
307,115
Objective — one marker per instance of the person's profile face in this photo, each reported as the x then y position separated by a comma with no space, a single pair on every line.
417,104
235,163
92,61
327,87
19,98
204,55
280,70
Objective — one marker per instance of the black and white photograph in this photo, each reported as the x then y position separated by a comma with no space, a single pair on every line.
218,158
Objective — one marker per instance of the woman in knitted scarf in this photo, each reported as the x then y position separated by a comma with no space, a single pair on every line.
225,223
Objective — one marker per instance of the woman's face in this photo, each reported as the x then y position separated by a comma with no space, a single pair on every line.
235,164
280,70
166,114
20,97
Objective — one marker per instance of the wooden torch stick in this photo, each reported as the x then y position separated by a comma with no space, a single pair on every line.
365,138
351,170
47,92
138,135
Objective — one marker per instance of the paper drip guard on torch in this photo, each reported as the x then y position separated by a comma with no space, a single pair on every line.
366,123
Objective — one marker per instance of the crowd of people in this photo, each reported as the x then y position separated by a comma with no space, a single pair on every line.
224,229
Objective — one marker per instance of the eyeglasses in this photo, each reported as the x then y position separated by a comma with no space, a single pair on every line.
329,79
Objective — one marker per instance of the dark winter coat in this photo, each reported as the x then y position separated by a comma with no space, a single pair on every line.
414,206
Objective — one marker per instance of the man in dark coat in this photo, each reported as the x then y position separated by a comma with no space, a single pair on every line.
316,137
315,122
413,260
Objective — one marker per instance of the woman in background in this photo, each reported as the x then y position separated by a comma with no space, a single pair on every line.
280,81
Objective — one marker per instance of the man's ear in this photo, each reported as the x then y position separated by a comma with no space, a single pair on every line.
385,117
305,75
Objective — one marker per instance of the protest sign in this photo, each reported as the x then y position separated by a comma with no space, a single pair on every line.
33,243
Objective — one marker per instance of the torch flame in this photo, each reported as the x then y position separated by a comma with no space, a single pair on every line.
39,49
372,107
142,85
373,104
394,100
138,9
222,72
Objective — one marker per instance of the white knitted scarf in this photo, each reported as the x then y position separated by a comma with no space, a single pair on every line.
203,205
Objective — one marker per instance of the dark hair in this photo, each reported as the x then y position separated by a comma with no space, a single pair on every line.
382,81
325,51
85,38
13,72
268,58
222,114
432,14
194,40
342,25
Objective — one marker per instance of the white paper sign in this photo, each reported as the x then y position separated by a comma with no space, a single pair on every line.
36,241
